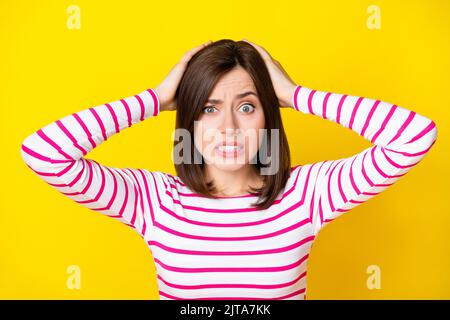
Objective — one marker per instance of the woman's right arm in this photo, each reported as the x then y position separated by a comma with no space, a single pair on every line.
56,153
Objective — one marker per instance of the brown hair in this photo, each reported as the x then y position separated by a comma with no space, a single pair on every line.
203,71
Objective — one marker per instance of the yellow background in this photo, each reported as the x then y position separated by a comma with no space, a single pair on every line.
49,71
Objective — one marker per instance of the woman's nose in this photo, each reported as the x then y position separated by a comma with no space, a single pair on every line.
228,122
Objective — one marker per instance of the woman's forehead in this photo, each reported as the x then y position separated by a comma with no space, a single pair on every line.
237,80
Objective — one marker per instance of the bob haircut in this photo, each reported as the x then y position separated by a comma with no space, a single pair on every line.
203,71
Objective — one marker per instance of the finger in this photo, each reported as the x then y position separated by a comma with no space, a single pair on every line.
201,46
198,48
263,52
188,55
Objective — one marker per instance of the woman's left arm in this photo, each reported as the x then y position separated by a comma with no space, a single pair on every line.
401,140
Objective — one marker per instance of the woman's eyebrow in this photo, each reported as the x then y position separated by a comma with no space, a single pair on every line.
238,96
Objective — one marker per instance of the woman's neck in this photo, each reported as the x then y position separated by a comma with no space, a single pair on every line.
234,183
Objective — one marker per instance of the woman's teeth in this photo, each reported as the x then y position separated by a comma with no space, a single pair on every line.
229,148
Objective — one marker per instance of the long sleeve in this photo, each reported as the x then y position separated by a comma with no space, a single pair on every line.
401,140
56,153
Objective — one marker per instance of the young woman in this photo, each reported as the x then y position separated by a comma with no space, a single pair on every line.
233,225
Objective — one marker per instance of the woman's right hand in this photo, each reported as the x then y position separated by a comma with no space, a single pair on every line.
167,88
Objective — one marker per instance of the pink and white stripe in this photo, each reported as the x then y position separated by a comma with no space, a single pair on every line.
223,248
401,139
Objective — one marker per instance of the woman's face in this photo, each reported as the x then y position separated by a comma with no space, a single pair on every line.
229,130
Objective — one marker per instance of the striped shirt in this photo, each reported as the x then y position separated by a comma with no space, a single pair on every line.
223,248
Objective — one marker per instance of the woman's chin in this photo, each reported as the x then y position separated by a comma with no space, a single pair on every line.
229,167
229,164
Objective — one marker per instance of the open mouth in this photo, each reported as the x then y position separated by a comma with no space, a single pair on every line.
230,150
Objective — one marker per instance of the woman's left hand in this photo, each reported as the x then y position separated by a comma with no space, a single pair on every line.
284,86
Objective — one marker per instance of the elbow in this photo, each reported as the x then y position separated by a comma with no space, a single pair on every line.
432,134
25,153
28,155
434,129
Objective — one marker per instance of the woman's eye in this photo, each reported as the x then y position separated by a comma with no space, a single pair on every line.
208,108
247,107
